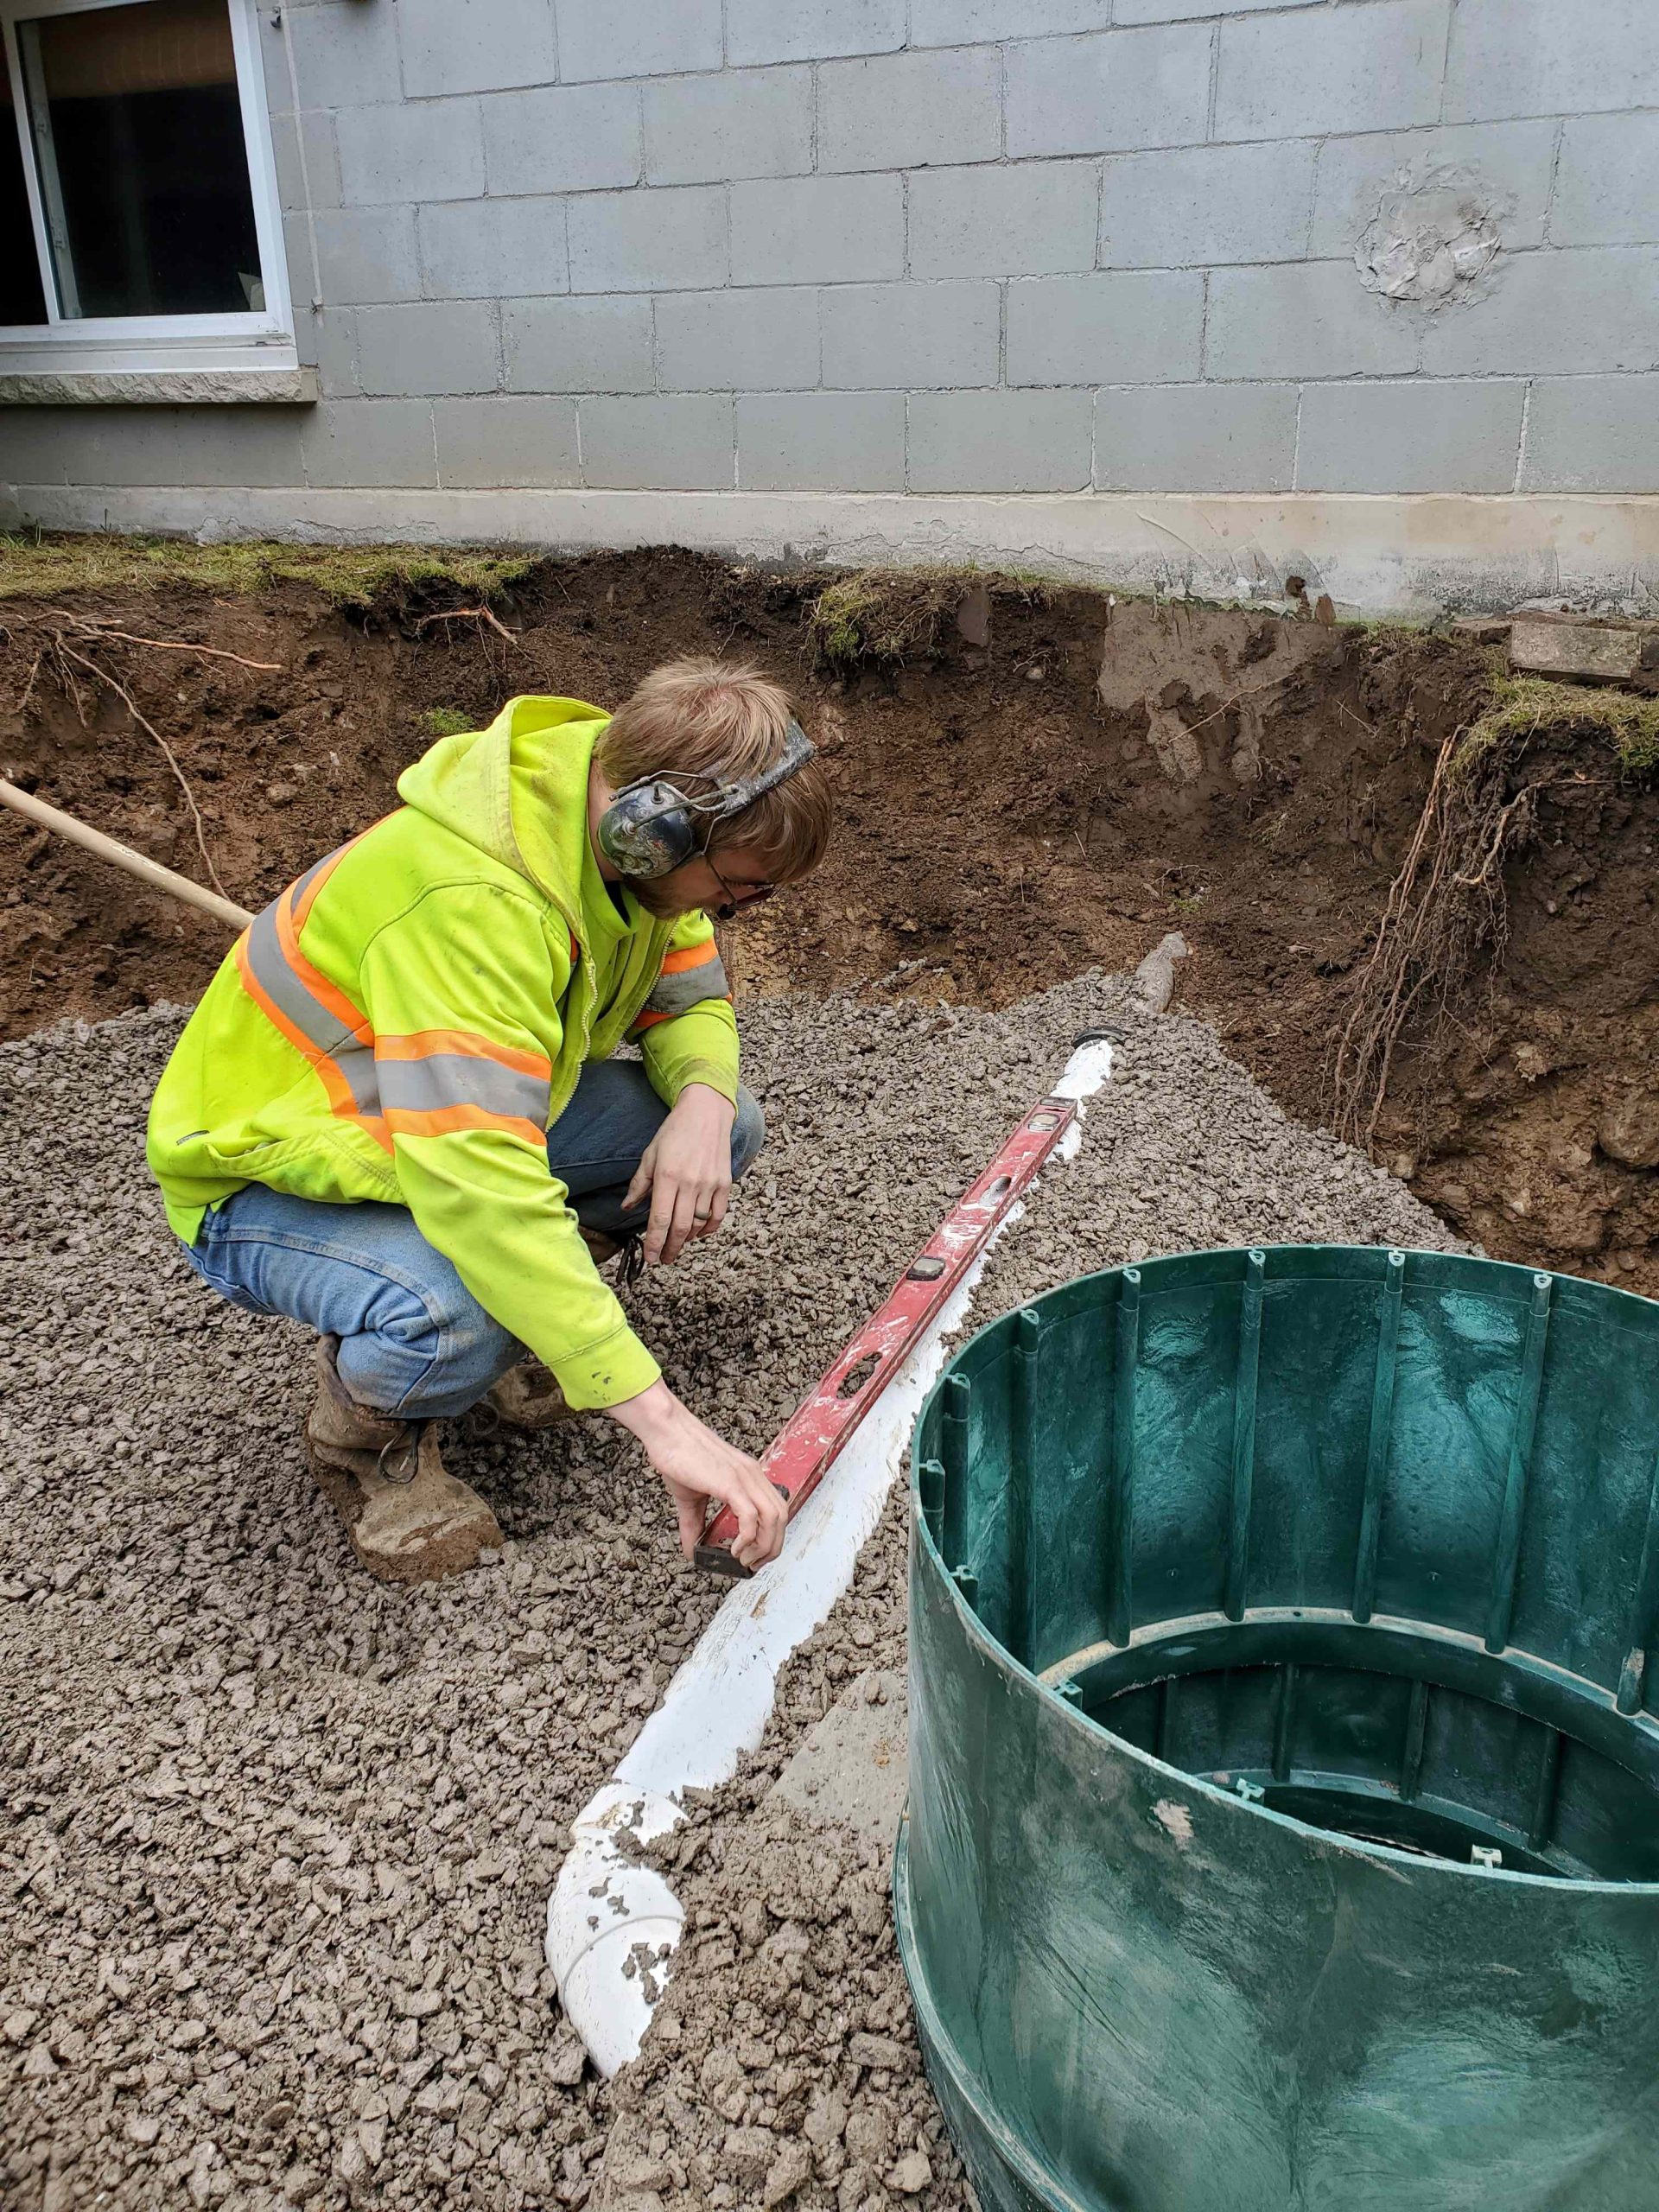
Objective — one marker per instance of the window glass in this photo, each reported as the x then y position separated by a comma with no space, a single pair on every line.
20,297
137,126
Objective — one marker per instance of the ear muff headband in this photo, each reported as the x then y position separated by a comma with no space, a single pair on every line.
652,827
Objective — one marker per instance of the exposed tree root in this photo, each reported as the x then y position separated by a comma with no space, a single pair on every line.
85,626
470,614
1446,903
63,657
132,706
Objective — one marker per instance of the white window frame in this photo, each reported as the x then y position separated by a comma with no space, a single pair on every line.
127,345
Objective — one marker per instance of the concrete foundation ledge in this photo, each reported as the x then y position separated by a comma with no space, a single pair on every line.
290,387
1411,556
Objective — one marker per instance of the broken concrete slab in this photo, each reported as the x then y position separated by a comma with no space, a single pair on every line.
1482,629
1552,645
854,1767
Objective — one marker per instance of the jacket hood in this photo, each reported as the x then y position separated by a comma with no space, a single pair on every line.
518,791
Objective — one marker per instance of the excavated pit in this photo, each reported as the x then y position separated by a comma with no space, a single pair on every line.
1013,812
279,1841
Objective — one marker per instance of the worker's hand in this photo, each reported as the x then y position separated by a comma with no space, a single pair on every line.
687,1168
696,1465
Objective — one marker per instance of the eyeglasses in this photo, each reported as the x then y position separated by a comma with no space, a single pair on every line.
752,894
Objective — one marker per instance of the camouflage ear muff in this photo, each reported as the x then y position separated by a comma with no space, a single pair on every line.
652,827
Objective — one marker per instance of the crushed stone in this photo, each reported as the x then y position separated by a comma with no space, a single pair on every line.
783,2057
277,1840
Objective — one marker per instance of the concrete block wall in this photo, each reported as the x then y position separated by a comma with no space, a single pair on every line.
953,246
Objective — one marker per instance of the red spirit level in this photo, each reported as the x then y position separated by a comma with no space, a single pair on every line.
803,1451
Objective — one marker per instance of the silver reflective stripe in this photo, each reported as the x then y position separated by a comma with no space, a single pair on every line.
356,1063
296,891
672,995
440,1079
318,1024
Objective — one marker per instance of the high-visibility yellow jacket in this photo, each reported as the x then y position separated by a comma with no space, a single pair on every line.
406,1021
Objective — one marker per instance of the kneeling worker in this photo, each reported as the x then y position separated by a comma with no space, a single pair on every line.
395,1115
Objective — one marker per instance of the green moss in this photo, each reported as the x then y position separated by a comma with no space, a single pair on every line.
37,566
1520,706
853,621
448,721
883,616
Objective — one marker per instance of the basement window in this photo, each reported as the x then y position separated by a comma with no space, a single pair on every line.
140,228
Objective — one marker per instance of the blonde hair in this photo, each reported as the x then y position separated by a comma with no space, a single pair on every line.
705,722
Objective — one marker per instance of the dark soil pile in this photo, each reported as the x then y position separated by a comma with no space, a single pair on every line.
1044,782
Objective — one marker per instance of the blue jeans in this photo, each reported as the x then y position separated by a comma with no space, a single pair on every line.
413,1339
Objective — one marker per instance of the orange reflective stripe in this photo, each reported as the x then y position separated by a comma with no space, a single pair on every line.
350,1018
430,1083
650,1020
688,978
423,1043
443,1079
267,1006
329,1073
339,1091
448,1120
693,956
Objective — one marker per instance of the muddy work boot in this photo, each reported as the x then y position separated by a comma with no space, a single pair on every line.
409,1518
527,1396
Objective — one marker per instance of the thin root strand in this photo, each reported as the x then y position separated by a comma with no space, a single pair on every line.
120,691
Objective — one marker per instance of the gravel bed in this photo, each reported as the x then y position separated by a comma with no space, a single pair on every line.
277,1840
782,2065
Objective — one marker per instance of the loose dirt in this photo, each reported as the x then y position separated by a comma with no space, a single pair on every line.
1014,811
278,1840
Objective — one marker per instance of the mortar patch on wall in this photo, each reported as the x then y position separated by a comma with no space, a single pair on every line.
1432,240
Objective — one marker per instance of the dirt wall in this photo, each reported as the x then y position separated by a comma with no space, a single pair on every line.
1031,782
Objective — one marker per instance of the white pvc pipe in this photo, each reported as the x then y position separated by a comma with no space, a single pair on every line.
604,1903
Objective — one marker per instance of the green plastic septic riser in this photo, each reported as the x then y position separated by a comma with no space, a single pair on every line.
1284,1771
